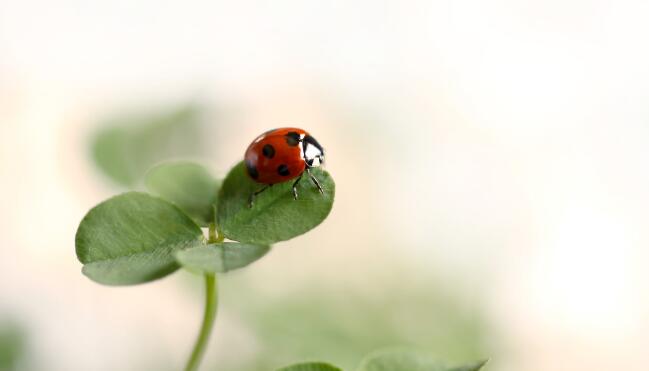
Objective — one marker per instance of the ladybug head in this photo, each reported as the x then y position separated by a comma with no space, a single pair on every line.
314,154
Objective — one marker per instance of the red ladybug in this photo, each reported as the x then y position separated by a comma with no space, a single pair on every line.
282,154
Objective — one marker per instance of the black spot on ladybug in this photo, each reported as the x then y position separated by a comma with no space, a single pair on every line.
252,170
292,138
268,151
283,170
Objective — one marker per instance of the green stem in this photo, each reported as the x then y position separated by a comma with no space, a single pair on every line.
211,302
208,322
211,235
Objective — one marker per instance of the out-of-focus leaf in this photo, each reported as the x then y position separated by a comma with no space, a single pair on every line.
12,345
220,257
131,238
475,366
275,216
112,153
400,360
127,146
310,366
187,185
338,323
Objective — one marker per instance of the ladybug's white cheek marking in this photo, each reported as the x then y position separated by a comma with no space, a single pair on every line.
313,155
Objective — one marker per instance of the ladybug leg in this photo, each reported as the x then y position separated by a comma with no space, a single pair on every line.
251,199
297,181
315,181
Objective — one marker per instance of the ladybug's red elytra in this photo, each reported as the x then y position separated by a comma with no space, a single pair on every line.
283,154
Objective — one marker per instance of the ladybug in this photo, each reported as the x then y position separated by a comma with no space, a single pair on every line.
280,155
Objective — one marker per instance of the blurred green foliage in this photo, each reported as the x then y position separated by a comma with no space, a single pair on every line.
391,359
12,346
310,366
126,146
341,324
408,359
187,185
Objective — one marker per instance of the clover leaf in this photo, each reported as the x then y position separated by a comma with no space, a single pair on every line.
220,257
275,215
131,238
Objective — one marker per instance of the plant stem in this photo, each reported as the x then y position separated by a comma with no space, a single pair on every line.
211,303
208,322
211,235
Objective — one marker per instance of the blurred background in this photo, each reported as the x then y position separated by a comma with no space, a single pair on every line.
489,158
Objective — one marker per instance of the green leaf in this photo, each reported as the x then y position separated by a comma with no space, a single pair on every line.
310,366
13,345
340,324
400,360
111,151
476,366
187,185
406,359
275,216
129,144
220,257
131,238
